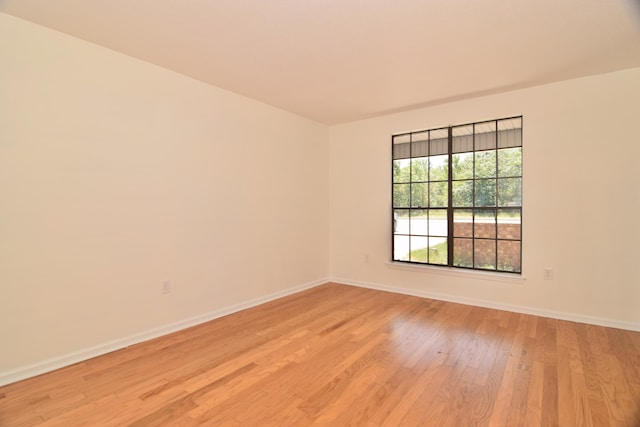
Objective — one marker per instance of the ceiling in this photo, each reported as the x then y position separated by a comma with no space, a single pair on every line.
336,61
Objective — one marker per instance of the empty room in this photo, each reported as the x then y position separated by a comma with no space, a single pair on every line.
338,213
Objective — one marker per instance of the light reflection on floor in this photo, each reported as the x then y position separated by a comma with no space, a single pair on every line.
422,341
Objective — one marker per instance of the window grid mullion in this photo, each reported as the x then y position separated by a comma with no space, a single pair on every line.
479,140
410,189
428,192
473,200
450,223
495,212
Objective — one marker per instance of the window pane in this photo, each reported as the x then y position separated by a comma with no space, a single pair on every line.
401,139
438,146
439,194
508,256
420,169
401,248
485,166
463,252
419,249
418,222
484,224
401,170
510,162
438,250
419,149
462,138
438,168
419,195
509,224
485,137
401,195
401,146
439,143
484,254
485,192
485,127
462,223
462,166
510,124
510,132
468,176
420,144
510,138
442,133
420,136
510,192
438,222
462,193
401,221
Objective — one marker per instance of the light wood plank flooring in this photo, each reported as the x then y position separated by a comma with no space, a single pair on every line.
344,356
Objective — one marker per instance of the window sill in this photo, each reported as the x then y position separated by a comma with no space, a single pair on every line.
470,274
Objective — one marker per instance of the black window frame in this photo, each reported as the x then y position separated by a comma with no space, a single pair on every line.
488,137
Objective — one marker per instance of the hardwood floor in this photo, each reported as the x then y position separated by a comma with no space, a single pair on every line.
340,355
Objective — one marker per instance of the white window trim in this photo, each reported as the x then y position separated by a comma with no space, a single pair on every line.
458,272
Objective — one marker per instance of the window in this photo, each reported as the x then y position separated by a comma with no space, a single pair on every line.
457,196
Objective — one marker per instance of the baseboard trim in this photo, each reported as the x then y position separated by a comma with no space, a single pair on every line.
32,370
572,317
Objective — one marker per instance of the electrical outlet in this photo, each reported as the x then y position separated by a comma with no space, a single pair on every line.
548,273
165,286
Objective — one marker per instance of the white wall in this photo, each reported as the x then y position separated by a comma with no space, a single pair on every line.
116,174
581,201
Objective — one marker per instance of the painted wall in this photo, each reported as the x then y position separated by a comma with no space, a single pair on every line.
581,201
116,174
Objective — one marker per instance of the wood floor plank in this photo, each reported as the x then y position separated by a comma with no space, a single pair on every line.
342,355
600,369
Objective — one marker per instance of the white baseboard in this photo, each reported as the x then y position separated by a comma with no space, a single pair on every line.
573,317
28,371
24,372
